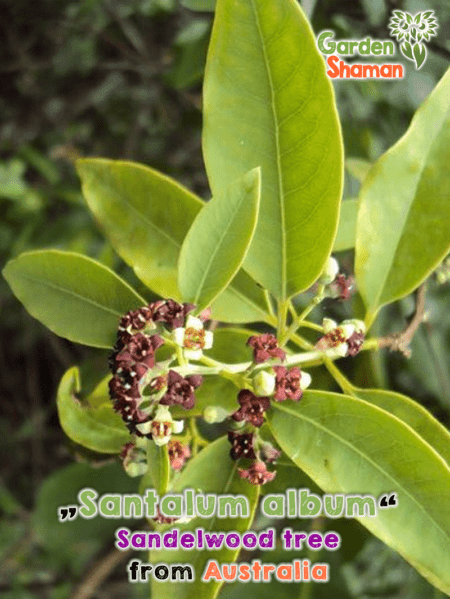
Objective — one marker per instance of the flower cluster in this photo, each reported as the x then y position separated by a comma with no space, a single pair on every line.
343,340
141,389
276,382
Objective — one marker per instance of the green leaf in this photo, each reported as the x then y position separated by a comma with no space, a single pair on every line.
403,230
412,414
349,446
211,471
146,216
269,103
100,429
218,240
73,295
345,238
74,543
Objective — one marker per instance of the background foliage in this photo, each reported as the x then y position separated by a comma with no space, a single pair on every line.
123,80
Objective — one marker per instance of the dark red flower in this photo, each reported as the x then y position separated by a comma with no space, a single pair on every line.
269,453
265,346
170,312
252,408
257,474
287,383
135,319
354,343
180,390
178,453
139,349
241,445
342,287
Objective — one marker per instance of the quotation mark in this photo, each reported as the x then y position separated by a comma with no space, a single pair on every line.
388,500
69,512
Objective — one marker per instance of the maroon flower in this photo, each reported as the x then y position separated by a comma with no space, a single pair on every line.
160,519
139,349
354,343
265,346
241,445
257,474
252,408
287,383
170,312
135,319
178,453
180,390
342,287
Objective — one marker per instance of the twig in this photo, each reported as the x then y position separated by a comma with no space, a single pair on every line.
400,341
99,574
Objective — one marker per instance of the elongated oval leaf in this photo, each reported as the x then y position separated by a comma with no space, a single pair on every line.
345,238
349,446
211,471
100,429
74,296
268,102
403,226
146,216
412,414
218,241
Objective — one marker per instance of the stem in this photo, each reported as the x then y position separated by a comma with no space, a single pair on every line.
339,377
283,307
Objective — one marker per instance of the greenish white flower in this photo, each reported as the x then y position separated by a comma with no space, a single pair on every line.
193,338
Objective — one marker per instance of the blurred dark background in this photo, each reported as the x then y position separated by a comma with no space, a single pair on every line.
122,79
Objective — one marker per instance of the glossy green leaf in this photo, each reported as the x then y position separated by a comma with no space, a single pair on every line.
345,238
412,414
403,229
146,216
218,240
269,103
349,446
74,296
100,429
211,471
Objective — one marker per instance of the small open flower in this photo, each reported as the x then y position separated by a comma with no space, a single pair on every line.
290,384
140,349
343,340
257,474
135,320
241,445
180,390
161,427
252,408
170,313
342,287
265,346
193,338
178,453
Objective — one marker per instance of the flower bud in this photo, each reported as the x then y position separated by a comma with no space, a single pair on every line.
264,383
213,414
330,271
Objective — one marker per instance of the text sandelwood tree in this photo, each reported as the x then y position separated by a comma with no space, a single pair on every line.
274,158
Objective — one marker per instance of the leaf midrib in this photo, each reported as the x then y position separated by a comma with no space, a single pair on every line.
278,155
367,459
